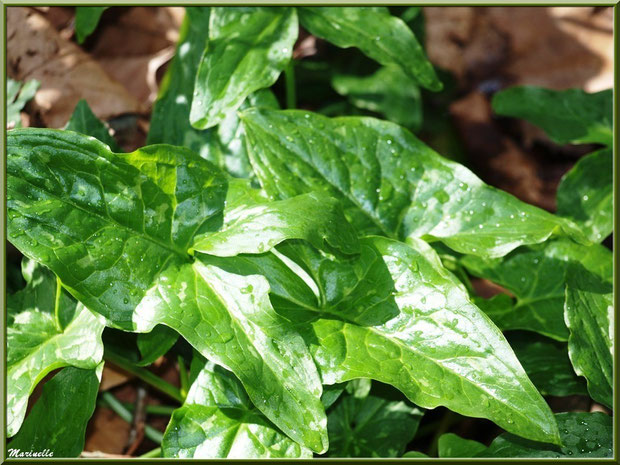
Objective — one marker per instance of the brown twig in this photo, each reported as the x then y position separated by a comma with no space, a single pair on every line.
136,434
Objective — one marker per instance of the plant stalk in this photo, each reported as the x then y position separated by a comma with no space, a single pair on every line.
164,410
155,453
145,376
183,377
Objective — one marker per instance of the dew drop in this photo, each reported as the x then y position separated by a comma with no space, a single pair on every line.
125,300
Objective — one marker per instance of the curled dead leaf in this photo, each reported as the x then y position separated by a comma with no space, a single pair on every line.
35,50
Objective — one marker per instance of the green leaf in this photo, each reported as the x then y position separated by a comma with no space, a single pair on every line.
589,315
86,20
17,96
567,116
371,427
585,195
547,364
414,454
394,314
170,117
228,318
453,446
227,140
57,421
389,91
218,420
155,344
536,276
106,223
331,394
84,121
390,182
170,124
379,35
248,47
359,388
46,330
255,225
134,216
584,435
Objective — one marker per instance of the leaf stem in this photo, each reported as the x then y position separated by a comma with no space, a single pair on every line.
145,376
183,377
57,304
152,453
289,78
165,410
118,408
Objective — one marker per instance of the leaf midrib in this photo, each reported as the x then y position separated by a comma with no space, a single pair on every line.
109,220
407,348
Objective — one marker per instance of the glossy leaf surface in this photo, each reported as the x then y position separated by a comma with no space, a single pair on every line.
85,122
389,91
396,315
452,446
584,435
223,145
86,20
547,364
589,315
390,182
57,421
106,223
128,260
379,35
585,194
567,116
371,427
254,225
170,124
170,118
247,49
228,318
46,330
156,343
537,276
218,420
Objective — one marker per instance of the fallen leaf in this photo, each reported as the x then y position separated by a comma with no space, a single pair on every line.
555,47
35,50
135,45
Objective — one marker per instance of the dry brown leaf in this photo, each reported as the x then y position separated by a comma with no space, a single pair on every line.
35,50
555,47
106,432
498,159
112,377
135,44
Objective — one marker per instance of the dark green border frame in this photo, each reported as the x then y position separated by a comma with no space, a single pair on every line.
6,3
